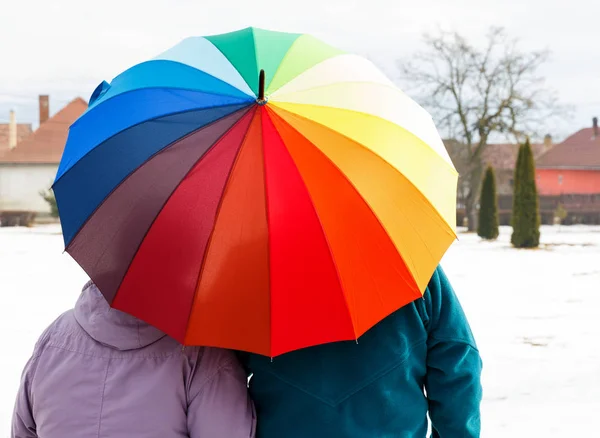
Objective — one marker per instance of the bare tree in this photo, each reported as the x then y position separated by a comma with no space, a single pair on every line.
475,92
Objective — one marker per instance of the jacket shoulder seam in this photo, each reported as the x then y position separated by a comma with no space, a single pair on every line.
210,378
102,397
111,357
41,345
455,341
35,362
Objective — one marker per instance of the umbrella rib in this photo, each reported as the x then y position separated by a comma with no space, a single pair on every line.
167,55
167,201
266,194
362,113
283,59
300,73
169,89
208,74
258,71
217,213
312,68
233,65
337,271
268,236
145,121
281,97
246,108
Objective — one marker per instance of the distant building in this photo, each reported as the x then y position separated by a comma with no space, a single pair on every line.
12,133
573,166
569,174
30,167
503,158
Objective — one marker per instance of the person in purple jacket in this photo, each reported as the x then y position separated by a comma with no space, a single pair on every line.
97,372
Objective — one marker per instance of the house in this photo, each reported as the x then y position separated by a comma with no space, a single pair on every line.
573,166
30,167
569,174
503,158
11,133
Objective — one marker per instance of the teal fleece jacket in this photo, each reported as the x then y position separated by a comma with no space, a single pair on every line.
421,359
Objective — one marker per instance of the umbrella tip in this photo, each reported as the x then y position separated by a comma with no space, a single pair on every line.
261,88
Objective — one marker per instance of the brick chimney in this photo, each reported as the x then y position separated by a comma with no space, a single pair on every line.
595,126
547,141
44,108
12,130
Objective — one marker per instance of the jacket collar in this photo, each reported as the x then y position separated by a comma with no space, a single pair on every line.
109,326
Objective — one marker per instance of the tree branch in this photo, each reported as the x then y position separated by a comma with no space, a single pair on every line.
476,92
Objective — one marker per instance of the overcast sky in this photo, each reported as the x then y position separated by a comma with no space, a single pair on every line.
66,47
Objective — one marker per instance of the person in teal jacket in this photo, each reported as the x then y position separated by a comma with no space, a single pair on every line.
420,360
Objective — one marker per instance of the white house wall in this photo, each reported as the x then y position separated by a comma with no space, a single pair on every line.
20,186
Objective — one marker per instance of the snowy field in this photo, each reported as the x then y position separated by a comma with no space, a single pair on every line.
534,314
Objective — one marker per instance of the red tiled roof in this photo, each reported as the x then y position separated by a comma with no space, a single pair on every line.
46,144
579,151
23,130
504,155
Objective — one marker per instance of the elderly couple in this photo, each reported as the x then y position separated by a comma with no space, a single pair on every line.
97,372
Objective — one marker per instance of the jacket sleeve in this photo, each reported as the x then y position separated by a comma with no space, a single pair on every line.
23,424
221,405
454,366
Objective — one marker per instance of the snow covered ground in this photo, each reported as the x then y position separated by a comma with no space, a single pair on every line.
535,317
534,314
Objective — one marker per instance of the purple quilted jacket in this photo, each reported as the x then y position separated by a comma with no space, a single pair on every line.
97,372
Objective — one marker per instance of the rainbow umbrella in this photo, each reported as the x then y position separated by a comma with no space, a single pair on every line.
256,190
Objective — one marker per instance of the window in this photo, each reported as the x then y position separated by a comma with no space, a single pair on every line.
512,182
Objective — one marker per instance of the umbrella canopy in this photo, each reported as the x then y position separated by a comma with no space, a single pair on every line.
256,190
